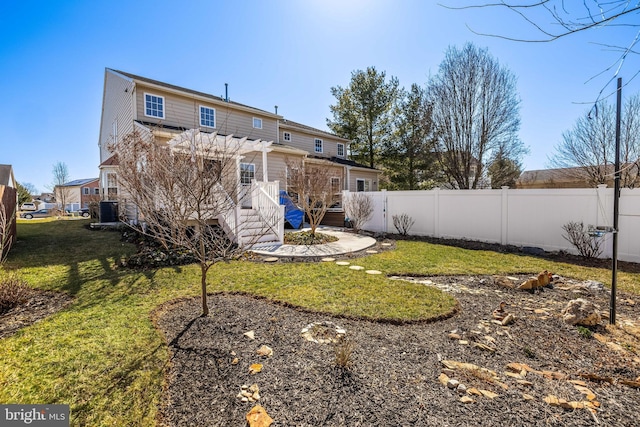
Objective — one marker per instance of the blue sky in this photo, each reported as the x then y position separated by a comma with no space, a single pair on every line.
282,52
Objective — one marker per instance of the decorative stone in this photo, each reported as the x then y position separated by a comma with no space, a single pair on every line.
463,342
235,361
255,368
453,383
444,379
258,417
342,263
373,272
461,388
356,267
251,335
328,259
581,312
489,394
466,399
385,244
265,351
454,336
371,251
271,259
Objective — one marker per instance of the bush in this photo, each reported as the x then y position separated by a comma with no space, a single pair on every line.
13,291
403,223
588,246
359,209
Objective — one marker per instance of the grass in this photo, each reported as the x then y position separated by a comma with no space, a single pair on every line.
102,354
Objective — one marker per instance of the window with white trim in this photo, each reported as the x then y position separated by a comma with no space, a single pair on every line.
257,123
96,191
112,186
362,185
336,189
207,116
318,145
286,136
340,150
154,105
85,191
247,173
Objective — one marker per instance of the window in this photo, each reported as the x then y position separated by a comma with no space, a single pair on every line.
340,150
85,191
336,189
207,117
96,191
154,106
286,136
247,173
318,144
257,123
362,185
112,186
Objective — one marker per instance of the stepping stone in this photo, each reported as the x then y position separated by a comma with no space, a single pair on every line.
271,259
356,267
385,244
373,272
343,263
328,259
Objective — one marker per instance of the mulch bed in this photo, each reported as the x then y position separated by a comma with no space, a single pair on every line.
41,304
393,380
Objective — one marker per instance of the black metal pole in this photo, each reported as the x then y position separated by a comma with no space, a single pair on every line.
616,205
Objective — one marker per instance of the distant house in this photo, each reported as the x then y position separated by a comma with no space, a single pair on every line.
167,111
78,194
578,177
9,206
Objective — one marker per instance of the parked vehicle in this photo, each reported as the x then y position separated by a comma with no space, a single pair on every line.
41,213
28,206
84,212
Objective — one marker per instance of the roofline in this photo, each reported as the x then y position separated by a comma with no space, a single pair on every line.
179,90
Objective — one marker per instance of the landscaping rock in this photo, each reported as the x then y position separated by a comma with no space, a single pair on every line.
581,312
258,417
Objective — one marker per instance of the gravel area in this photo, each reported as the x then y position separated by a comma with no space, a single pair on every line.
394,376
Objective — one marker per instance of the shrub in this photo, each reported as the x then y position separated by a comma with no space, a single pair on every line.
403,223
343,348
587,245
13,291
359,208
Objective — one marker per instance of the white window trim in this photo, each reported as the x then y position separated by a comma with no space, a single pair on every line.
253,166
367,183
254,123
164,105
284,136
338,150
86,191
315,145
214,116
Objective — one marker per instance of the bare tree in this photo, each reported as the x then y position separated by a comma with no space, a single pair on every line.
7,222
310,187
186,192
476,113
555,19
358,208
587,151
60,178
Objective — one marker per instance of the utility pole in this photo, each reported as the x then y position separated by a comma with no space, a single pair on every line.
616,207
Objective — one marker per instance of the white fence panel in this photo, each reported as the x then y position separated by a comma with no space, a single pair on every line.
512,216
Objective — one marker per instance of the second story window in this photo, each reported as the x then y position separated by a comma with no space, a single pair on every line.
318,145
286,136
96,191
207,117
257,123
85,191
154,106
340,150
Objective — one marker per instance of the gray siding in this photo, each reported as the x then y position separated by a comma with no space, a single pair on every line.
184,111
363,174
305,140
117,106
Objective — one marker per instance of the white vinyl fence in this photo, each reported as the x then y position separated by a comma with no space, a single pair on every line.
512,216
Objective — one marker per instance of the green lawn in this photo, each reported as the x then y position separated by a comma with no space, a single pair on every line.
102,354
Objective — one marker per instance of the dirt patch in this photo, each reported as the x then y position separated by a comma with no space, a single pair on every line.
41,304
395,370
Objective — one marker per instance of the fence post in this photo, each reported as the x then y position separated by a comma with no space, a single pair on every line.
384,210
436,212
504,219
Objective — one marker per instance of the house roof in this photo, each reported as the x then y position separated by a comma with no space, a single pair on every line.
78,182
6,176
291,124
111,161
191,91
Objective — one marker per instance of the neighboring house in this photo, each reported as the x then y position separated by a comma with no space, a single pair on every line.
9,206
79,193
166,111
578,177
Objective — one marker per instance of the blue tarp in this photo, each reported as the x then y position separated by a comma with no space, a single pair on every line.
292,214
